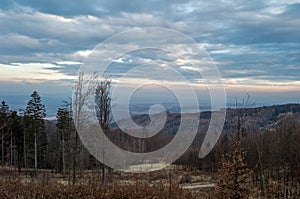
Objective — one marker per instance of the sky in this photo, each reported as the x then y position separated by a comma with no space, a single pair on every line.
255,45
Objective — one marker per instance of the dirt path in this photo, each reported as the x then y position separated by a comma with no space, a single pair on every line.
197,186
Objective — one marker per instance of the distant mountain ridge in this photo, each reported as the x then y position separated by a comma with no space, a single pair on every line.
265,117
254,118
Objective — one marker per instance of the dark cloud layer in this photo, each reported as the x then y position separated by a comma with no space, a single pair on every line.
253,42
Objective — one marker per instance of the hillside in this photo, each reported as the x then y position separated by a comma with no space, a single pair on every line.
254,118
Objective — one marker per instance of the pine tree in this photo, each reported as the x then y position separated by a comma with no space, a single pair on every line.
4,115
34,113
17,134
65,128
4,112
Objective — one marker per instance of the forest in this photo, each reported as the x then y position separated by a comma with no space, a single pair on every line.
257,155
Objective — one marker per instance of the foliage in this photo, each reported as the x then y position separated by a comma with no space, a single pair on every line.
234,176
35,130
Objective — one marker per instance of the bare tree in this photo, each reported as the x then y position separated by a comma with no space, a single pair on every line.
84,86
103,109
241,107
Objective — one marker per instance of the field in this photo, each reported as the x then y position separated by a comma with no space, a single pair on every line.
173,182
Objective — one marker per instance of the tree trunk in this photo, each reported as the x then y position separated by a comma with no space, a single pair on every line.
2,150
35,155
19,158
14,142
103,174
80,161
69,165
74,158
25,160
63,153
11,152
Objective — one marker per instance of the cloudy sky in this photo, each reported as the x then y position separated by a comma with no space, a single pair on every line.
255,44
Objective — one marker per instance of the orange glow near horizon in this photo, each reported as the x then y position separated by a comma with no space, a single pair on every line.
39,72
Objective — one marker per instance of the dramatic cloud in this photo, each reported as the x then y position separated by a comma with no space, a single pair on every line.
255,44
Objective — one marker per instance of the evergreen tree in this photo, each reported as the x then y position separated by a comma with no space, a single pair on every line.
36,136
17,134
65,128
4,115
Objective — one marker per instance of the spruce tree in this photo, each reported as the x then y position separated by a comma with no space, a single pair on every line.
17,137
65,128
34,113
4,115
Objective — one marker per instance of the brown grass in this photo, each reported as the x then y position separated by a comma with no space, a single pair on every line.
14,186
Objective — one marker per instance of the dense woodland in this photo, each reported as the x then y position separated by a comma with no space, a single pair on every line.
257,154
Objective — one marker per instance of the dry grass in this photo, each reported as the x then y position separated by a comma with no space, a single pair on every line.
47,185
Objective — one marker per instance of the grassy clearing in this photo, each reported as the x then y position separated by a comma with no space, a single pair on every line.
171,183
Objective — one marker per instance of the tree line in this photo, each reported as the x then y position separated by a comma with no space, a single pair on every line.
24,141
29,142
264,161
